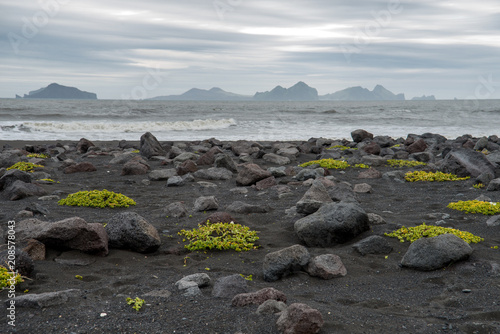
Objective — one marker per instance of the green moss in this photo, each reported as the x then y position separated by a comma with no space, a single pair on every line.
136,303
97,199
404,163
485,208
479,186
221,236
327,163
361,166
25,166
432,177
8,278
38,155
342,147
427,231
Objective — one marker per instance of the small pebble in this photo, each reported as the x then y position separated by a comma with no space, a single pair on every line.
466,291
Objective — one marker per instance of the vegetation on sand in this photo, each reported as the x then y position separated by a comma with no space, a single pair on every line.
427,231
97,199
8,278
404,163
327,163
475,206
136,303
432,177
25,166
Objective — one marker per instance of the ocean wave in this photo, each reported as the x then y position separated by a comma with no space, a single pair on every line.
129,127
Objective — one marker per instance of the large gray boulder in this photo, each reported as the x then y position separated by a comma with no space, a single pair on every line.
45,299
250,174
326,266
214,173
437,252
225,161
465,162
300,319
285,261
229,286
150,146
374,244
259,297
12,176
19,190
128,230
71,233
333,223
313,199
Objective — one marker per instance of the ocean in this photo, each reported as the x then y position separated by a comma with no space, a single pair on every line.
41,120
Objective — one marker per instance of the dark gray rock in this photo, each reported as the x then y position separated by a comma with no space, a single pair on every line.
214,173
343,192
276,159
128,230
24,264
333,223
162,174
82,167
300,319
241,207
19,190
284,262
224,161
326,266
175,181
150,146
306,174
135,166
258,297
229,286
494,185
481,144
37,209
493,221
8,159
205,203
271,306
370,173
464,162
176,209
435,253
84,145
209,157
266,183
360,135
46,299
12,176
374,244
277,171
250,174
313,199
484,178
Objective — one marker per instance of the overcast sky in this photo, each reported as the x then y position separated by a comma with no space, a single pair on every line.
140,49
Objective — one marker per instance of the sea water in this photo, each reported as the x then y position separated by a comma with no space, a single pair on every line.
31,120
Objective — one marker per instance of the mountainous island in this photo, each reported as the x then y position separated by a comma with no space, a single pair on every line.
298,92
424,98
56,91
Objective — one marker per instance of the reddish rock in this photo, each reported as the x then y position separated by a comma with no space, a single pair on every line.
266,183
360,135
219,217
326,266
209,157
188,166
80,168
370,173
372,148
35,249
250,174
136,166
84,145
300,319
257,298
416,147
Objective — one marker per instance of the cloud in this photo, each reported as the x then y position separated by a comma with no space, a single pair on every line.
423,47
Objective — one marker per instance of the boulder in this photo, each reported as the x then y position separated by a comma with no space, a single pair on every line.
24,264
326,266
176,210
188,166
82,167
135,166
494,185
84,145
372,148
259,297
193,282
333,223
186,156
300,319
362,188
244,147
374,244
250,174
271,306
175,181
229,286
225,161
244,208
205,203
277,171
435,253
276,159
493,221
313,199
162,174
266,183
209,157
418,146
219,217
128,230
370,173
343,192
360,135
464,162
213,173
19,190
34,248
306,174
46,299
71,233
12,176
285,261
150,146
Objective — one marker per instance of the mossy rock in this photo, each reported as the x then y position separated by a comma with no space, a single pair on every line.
97,199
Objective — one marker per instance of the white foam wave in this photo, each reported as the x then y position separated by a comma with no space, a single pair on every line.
128,127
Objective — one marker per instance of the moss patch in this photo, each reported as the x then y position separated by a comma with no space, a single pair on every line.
427,231
404,163
485,208
432,177
97,199
327,163
25,166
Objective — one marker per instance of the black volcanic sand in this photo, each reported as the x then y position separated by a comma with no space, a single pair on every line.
376,295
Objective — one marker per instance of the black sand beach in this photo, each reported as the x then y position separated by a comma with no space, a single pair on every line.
377,295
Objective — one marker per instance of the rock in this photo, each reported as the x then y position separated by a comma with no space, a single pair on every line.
271,306
19,190
150,146
24,214
175,181
343,192
8,159
250,174
493,221
375,219
198,280
135,166
219,217
494,185
122,158
241,207
209,157
285,261
397,175
313,199
484,178
422,157
257,298
333,223
82,167
70,233
360,135
37,209
362,188
277,171
481,144
225,161
205,203
128,230
437,252
419,146
34,248
240,191
374,160
370,173
374,244
276,159
213,173
46,299
176,210
266,183
229,286
300,319
23,262
244,147
464,162
84,145
12,176
372,148
186,156
306,174
326,266
162,174
188,166
75,258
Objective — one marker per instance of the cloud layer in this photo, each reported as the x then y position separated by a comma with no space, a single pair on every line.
129,49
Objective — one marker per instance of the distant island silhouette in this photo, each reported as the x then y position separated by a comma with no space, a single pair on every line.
56,91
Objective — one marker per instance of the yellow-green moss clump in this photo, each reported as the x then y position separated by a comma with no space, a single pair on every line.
97,199
432,177
427,231
327,163
486,208
404,163
8,278
342,147
38,155
221,236
25,166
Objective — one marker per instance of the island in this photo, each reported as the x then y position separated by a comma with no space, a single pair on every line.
56,91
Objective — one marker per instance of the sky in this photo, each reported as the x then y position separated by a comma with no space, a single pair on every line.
124,49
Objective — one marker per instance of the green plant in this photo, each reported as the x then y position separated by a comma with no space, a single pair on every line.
404,163
248,278
136,151
221,236
432,177
327,163
25,166
8,278
427,231
136,303
38,155
478,185
361,166
79,277
97,199
342,147
475,206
